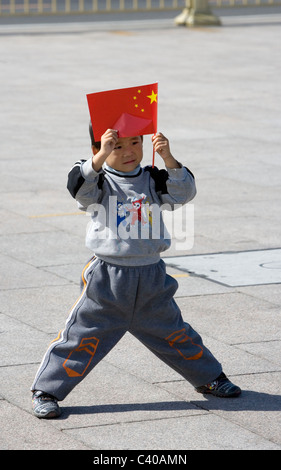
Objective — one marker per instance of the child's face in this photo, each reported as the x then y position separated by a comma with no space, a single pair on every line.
127,154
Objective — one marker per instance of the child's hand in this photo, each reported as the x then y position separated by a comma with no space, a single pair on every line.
162,147
108,141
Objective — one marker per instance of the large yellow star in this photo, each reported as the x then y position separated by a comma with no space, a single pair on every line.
152,97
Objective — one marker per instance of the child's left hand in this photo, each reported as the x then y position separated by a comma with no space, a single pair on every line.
162,147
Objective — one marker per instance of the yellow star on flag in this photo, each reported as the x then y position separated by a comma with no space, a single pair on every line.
152,97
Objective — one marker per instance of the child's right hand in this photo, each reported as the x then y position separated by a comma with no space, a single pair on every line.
108,141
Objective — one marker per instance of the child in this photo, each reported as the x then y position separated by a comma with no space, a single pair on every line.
125,285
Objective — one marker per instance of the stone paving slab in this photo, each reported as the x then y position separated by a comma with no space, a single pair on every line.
247,268
237,317
25,434
194,433
257,410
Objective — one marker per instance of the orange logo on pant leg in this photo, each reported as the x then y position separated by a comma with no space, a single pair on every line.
179,338
81,357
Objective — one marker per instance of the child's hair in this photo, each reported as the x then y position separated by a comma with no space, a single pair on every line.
95,144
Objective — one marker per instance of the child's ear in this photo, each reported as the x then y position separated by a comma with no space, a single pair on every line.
94,150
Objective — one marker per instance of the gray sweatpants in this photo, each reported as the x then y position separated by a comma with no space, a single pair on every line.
114,300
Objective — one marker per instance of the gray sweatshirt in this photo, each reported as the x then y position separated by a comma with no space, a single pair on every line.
126,225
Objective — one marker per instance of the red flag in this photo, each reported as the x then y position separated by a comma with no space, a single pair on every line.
131,111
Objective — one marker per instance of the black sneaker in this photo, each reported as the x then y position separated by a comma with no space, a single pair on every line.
45,405
220,387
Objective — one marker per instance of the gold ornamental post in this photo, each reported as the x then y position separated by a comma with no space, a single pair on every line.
197,13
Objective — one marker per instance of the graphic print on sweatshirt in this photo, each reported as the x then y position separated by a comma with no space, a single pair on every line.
126,217
133,211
